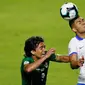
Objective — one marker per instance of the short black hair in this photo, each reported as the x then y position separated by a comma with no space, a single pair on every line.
72,21
31,44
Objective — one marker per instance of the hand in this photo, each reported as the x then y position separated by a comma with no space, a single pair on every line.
81,61
49,52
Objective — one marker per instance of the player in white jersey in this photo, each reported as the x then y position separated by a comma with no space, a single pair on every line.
76,47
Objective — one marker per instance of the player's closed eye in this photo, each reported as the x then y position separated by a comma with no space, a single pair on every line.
78,22
83,20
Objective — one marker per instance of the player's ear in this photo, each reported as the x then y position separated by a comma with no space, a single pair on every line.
33,52
73,29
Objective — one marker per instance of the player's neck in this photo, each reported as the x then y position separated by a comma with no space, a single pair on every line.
81,35
34,58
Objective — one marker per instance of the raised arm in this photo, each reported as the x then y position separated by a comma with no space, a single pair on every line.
62,58
32,66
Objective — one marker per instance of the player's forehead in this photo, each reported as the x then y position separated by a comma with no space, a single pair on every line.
41,44
79,19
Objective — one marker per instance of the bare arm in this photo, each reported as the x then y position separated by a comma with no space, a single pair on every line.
37,63
34,65
74,62
63,58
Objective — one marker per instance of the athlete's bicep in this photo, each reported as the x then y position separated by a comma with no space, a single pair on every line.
73,57
74,61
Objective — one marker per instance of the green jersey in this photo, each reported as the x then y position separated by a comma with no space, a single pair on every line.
37,76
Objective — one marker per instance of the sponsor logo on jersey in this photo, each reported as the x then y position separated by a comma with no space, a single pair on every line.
26,62
81,47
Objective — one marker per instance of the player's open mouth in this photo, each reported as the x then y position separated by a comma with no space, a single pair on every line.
44,53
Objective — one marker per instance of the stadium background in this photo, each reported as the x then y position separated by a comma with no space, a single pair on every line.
20,19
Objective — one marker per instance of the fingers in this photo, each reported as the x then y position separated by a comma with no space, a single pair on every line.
81,61
50,52
82,57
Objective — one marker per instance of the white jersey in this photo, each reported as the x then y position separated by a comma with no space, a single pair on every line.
77,45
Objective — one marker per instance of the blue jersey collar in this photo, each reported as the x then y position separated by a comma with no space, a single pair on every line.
79,38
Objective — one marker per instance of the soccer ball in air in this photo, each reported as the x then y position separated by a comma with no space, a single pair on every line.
69,11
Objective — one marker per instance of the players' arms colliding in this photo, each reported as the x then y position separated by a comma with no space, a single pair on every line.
62,58
74,62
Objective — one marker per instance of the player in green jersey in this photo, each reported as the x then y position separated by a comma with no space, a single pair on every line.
34,67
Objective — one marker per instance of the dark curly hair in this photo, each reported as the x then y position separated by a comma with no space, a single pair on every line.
31,44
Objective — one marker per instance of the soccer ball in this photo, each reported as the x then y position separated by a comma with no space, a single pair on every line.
69,11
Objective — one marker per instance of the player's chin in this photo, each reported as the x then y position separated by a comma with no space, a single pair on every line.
43,55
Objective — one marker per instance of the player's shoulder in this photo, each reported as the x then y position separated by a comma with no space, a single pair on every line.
27,58
73,40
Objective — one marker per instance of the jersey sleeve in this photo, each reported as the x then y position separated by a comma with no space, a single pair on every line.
24,62
52,57
72,47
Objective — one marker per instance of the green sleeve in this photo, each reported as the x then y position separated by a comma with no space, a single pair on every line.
52,57
26,61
